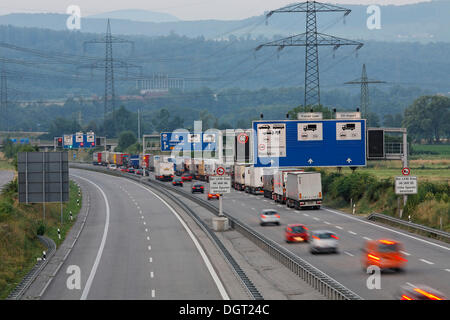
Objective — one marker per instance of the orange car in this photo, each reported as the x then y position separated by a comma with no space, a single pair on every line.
384,253
213,196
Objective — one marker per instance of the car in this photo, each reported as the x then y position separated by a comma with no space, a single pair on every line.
138,171
131,170
123,169
383,253
419,292
198,188
177,182
213,196
186,177
323,241
296,233
112,166
269,216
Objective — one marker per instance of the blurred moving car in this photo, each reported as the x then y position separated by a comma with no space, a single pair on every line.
177,182
383,253
269,216
296,233
186,177
419,292
213,196
198,188
323,241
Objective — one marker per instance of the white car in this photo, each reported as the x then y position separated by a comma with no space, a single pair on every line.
112,167
269,216
323,241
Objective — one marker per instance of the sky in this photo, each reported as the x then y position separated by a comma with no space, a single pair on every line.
182,9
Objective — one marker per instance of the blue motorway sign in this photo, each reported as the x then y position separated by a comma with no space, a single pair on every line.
184,140
314,143
79,140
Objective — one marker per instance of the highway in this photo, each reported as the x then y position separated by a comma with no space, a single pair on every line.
133,246
428,260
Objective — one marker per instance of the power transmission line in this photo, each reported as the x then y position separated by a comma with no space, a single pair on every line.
364,82
311,40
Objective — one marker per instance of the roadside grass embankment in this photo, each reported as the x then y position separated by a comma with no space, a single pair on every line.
19,226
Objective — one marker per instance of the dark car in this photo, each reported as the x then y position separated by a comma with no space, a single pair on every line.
198,188
131,170
177,182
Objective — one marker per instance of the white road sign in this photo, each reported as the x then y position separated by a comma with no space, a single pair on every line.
271,139
406,185
348,131
68,140
219,184
309,116
310,132
348,115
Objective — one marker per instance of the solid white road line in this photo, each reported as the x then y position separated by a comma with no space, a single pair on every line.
88,284
426,261
205,258
381,227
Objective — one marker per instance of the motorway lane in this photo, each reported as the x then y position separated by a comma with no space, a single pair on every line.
428,260
147,253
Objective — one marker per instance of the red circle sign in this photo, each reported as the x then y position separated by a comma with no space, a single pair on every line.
220,171
406,171
242,138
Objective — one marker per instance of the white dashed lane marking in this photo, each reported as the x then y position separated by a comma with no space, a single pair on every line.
340,228
405,253
348,253
367,238
351,232
426,261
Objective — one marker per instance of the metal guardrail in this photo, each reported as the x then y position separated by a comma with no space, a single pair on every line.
321,282
417,227
26,282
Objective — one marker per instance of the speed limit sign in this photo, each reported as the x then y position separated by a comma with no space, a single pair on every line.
406,171
242,138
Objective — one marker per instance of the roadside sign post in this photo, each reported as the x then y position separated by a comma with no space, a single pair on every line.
405,185
220,185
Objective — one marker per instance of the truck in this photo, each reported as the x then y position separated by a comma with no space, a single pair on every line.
268,182
253,180
134,161
279,183
199,170
97,159
164,171
304,190
239,176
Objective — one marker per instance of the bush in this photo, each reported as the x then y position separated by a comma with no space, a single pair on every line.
40,229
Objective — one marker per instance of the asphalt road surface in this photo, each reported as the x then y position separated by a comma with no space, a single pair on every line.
428,260
132,247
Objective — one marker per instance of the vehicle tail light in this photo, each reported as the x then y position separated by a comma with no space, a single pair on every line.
277,215
319,202
427,294
201,187
336,237
387,242
302,203
299,195
305,228
263,216
372,257
171,176
320,194
405,297
193,188
314,237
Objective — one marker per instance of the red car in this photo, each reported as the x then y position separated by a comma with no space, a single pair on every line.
213,196
186,177
296,233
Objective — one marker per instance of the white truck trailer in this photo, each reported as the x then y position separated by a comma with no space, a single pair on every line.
304,189
253,180
279,183
164,171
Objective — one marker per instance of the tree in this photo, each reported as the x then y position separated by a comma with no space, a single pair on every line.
428,118
126,139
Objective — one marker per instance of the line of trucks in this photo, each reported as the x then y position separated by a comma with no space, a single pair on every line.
291,186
